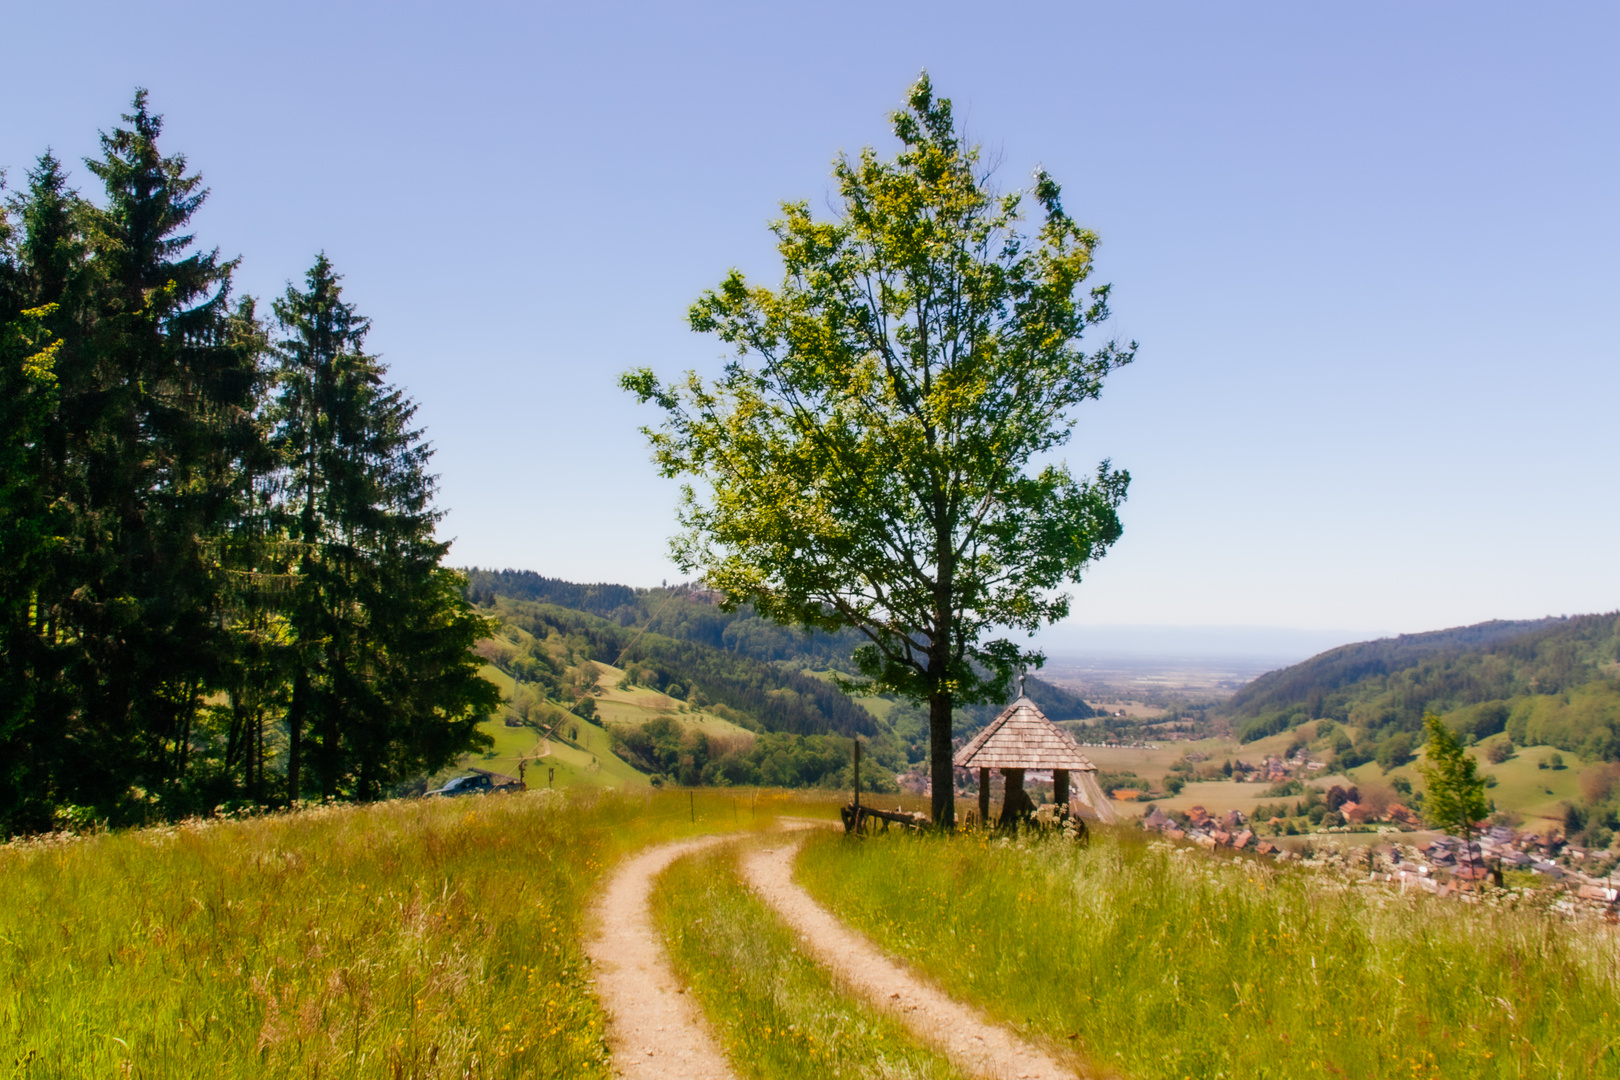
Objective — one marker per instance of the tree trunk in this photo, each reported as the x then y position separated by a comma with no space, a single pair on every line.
295,734
940,772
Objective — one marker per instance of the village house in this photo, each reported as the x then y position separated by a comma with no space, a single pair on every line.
1156,820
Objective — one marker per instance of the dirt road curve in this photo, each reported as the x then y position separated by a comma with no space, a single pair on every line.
654,1028
962,1033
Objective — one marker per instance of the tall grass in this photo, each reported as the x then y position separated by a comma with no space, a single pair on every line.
410,939
1164,962
776,1013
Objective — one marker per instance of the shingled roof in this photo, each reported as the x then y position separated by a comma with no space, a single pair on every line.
1023,738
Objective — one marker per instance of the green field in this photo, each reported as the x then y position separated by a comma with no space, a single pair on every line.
422,938
585,759
442,938
1161,962
1522,786
638,704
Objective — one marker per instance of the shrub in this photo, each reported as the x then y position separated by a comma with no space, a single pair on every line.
1395,751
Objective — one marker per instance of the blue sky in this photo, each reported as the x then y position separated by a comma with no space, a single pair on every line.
1368,251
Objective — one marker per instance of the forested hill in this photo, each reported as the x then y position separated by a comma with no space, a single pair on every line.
690,614
684,612
1553,681
1313,681
750,664
620,603
769,697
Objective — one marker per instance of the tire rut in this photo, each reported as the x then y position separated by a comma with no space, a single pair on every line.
654,1028
961,1032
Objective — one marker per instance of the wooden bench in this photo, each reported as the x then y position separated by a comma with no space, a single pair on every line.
857,818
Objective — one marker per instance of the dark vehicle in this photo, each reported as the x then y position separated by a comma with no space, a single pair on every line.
476,784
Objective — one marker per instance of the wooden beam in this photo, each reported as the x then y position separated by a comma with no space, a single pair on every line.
984,798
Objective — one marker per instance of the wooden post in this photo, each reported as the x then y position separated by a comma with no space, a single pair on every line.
1060,788
857,780
691,805
1014,801
984,798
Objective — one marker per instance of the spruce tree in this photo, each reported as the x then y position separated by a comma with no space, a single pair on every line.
28,527
161,427
46,287
385,685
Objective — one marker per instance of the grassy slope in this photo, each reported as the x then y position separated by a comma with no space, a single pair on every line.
1166,963
1539,794
638,704
1522,787
776,1013
430,938
584,761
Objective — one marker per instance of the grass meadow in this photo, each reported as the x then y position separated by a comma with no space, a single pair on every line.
1164,962
430,938
777,1014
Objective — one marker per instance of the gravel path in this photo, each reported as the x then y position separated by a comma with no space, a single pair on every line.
961,1033
654,1029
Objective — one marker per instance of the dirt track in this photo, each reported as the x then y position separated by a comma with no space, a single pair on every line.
962,1033
655,1029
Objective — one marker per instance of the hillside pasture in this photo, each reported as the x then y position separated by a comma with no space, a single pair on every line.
638,704
1522,785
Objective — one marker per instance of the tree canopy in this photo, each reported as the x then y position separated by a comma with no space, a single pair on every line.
876,454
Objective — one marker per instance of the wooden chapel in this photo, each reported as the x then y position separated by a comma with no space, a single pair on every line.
1021,739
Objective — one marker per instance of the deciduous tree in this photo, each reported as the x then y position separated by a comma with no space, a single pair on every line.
1454,797
877,454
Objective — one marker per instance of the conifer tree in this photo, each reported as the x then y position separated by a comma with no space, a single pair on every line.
172,585
163,421
385,685
28,525
47,284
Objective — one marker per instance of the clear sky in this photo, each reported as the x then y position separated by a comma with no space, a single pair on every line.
1368,249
